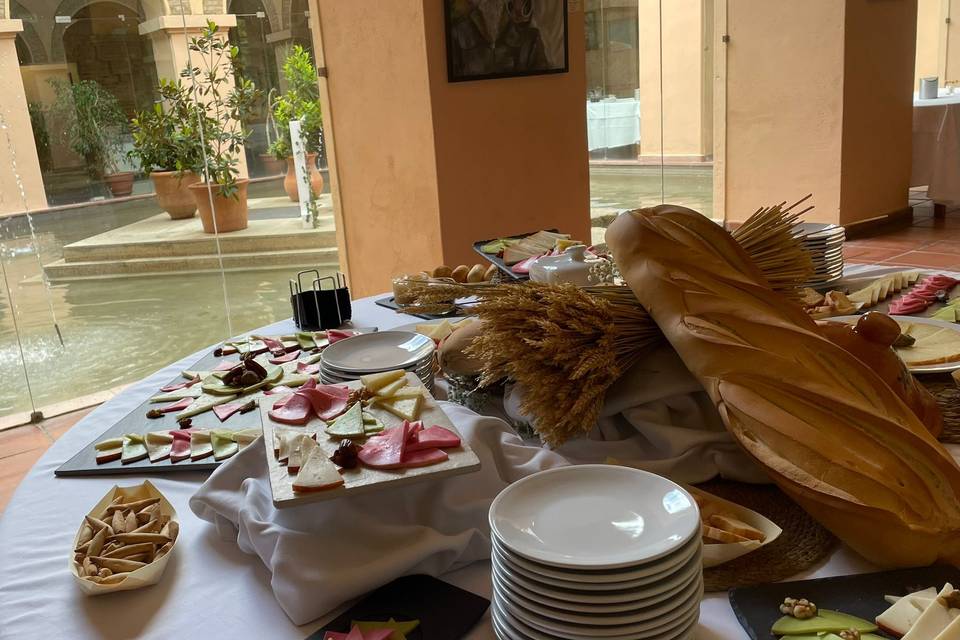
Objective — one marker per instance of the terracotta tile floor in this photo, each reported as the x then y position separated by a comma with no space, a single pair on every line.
929,242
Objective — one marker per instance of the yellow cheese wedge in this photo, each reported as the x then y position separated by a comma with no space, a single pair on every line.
375,381
902,615
317,473
406,408
392,388
934,619
933,345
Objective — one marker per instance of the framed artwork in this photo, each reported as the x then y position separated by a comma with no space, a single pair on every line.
505,38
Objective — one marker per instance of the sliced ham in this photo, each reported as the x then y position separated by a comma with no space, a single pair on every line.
284,389
180,405
309,384
224,411
226,365
424,457
293,409
386,450
433,437
327,401
274,346
180,448
289,357
335,335
180,385
309,369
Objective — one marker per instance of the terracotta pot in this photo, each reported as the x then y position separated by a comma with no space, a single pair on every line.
173,194
231,213
121,184
290,181
271,165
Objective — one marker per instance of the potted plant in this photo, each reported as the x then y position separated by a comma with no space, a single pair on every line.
93,124
165,144
272,165
300,102
220,101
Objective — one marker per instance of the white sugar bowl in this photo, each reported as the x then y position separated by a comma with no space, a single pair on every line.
572,265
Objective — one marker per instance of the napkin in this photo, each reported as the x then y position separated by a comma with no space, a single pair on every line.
657,417
323,554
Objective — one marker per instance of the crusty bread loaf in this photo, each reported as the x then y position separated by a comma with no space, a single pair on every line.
826,428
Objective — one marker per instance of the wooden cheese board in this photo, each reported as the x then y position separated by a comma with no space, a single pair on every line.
363,479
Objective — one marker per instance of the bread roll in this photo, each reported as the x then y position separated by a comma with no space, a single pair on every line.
476,273
827,429
443,271
489,273
460,273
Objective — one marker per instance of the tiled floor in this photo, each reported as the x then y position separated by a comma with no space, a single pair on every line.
930,242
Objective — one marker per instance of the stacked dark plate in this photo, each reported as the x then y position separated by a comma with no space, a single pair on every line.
825,244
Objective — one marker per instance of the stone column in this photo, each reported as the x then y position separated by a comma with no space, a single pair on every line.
170,36
18,153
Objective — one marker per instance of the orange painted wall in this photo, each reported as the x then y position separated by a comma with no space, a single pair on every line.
511,154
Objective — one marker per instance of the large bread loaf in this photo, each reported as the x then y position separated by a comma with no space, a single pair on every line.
827,429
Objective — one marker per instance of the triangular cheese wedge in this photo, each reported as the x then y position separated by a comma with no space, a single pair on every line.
158,445
317,473
200,445
371,425
408,392
393,387
133,448
406,408
348,425
204,403
376,381
246,436
224,446
300,448
934,619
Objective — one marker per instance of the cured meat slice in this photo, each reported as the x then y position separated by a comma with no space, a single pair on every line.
327,401
386,450
180,385
282,389
289,357
274,346
309,369
424,457
224,411
335,335
180,448
180,405
293,409
433,437
226,365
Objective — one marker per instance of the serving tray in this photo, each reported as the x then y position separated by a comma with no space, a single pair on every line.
497,260
364,479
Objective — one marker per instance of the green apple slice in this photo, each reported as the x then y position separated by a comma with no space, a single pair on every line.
826,621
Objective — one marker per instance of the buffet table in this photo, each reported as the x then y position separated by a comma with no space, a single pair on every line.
210,587
936,148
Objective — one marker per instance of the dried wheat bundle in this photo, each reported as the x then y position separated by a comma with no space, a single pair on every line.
565,345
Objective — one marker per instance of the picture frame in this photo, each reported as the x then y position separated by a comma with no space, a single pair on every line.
491,39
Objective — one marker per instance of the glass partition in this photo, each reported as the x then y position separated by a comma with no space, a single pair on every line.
106,249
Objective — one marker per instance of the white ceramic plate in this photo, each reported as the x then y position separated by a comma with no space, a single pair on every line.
594,517
598,618
657,568
604,601
381,351
671,619
677,630
946,367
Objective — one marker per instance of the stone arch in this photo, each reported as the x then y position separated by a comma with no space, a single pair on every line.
269,7
29,37
71,8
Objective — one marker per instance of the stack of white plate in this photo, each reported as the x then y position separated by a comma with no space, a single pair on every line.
825,244
348,359
595,552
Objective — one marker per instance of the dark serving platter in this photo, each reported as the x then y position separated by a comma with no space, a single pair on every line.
497,260
757,608
390,303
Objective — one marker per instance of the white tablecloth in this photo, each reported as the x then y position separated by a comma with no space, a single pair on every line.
211,589
936,148
613,123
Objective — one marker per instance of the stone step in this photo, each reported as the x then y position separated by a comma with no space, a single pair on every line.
62,271
323,236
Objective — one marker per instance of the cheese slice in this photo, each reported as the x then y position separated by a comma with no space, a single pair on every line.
407,392
133,448
172,396
392,388
898,618
406,408
158,445
285,440
246,436
349,424
200,445
317,473
375,381
952,630
224,446
105,445
933,345
205,402
300,448
934,618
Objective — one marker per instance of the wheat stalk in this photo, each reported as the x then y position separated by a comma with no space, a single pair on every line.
565,345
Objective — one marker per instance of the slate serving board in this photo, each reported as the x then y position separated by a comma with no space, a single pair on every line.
84,463
757,608
497,260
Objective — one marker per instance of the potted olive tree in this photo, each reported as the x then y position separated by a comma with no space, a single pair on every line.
166,144
300,102
93,124
220,99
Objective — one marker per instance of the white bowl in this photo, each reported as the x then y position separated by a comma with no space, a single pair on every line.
594,517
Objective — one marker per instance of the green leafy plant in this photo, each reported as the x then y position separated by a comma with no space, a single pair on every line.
220,101
165,137
92,123
41,135
301,101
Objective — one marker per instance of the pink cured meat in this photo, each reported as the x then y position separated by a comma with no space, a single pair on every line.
292,409
386,451
226,365
523,267
309,369
435,437
180,385
274,346
180,405
335,335
180,434
309,384
923,295
224,411
328,401
289,357
284,389
423,457
180,449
